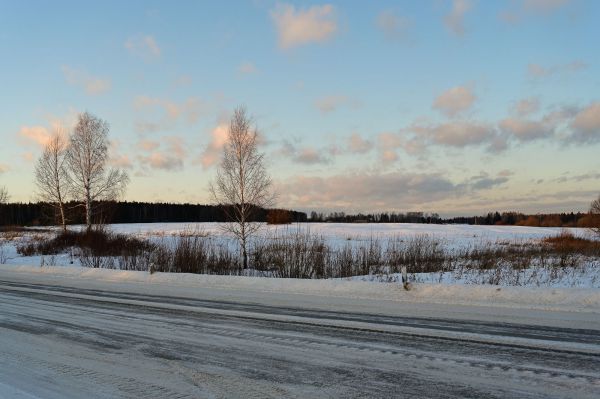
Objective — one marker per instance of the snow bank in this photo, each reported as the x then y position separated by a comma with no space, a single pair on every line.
564,299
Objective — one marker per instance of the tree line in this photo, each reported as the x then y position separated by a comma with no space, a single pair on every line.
564,219
44,214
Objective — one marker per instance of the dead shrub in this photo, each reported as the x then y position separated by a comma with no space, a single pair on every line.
279,216
299,255
566,243
98,241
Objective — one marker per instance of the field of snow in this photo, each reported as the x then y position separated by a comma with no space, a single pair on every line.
338,235
454,235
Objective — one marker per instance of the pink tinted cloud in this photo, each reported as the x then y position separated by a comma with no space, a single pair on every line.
212,152
297,27
454,101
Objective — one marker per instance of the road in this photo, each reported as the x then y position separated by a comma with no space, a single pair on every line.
69,342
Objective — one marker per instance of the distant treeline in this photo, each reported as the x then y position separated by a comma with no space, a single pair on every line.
40,214
493,218
384,217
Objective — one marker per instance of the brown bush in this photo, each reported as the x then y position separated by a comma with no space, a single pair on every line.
567,243
531,221
97,242
551,221
279,216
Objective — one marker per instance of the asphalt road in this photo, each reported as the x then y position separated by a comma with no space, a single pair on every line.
60,342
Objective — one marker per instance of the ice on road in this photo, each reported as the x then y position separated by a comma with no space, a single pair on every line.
71,341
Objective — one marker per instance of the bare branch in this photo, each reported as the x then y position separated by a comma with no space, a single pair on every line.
4,197
51,174
90,182
242,185
595,214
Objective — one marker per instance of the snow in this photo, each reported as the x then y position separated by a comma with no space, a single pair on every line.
456,235
585,276
563,299
102,344
338,235
9,392
52,365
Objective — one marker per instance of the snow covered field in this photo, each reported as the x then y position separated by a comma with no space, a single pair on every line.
454,235
339,235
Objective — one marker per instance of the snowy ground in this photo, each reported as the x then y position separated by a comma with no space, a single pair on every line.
338,235
453,235
544,298
72,332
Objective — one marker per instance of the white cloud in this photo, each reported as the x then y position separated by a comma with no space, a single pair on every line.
296,27
544,6
527,106
454,101
170,156
459,133
148,145
586,124
369,191
394,27
455,20
522,8
358,145
121,161
164,114
331,103
92,85
117,159
310,156
38,135
183,81
144,46
537,71
526,130
387,144
306,155
212,153
247,68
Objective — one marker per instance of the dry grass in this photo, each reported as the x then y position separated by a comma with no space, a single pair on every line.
98,242
309,256
567,243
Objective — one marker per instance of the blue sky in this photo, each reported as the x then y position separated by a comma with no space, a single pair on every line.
456,107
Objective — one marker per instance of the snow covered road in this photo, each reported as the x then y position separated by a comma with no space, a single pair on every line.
71,342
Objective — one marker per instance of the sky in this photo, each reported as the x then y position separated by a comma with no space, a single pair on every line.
458,107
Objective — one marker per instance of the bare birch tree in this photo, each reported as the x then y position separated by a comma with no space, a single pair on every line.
3,195
242,185
3,200
595,213
51,174
87,157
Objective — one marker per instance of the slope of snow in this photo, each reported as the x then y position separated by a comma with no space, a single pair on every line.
565,299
